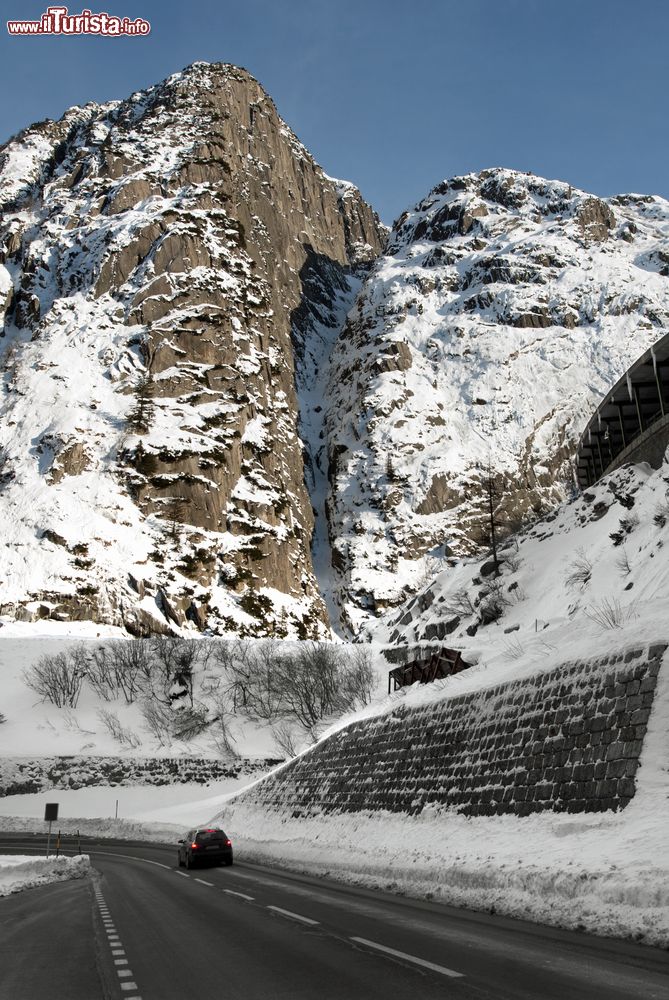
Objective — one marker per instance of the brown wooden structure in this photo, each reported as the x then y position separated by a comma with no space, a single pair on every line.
442,663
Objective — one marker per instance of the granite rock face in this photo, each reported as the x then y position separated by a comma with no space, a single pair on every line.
503,308
158,256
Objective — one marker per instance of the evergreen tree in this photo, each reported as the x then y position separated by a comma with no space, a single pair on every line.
141,415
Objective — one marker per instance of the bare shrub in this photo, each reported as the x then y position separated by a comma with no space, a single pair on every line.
118,732
609,614
358,679
311,682
175,660
129,664
626,526
306,683
158,720
285,738
233,658
265,679
460,604
580,571
190,722
494,602
222,738
56,678
100,674
514,649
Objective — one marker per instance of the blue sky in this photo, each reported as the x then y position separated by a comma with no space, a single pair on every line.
396,95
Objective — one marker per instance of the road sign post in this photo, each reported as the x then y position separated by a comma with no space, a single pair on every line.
50,814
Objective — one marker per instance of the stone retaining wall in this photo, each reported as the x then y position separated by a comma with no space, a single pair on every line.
566,740
21,775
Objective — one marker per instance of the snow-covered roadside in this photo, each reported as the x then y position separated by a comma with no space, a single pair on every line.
120,829
20,871
607,873
573,873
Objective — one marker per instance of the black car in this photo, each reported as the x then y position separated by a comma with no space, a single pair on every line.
210,845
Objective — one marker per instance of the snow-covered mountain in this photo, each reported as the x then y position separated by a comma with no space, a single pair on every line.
160,258
220,414
503,308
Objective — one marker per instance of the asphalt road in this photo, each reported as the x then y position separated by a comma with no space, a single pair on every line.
142,928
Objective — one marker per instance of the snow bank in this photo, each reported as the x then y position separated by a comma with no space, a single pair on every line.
574,873
24,872
120,829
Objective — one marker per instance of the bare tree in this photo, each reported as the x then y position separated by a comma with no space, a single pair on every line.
57,678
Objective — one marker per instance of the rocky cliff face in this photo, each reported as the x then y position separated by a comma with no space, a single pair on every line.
503,309
166,262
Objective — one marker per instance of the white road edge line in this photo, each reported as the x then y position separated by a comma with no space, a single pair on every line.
183,874
409,958
293,916
202,882
242,895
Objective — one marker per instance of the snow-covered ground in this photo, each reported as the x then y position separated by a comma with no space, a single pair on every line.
180,805
20,871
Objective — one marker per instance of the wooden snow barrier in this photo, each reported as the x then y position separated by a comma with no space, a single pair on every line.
442,663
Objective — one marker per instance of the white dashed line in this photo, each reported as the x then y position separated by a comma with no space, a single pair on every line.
202,882
114,942
183,874
409,958
293,916
242,895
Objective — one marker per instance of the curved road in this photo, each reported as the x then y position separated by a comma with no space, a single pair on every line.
143,928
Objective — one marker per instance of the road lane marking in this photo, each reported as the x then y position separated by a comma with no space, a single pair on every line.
293,916
183,874
409,958
242,895
115,947
202,882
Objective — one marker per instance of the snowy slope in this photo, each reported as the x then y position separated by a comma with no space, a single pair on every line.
503,308
599,563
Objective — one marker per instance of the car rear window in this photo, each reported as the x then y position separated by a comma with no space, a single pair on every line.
209,836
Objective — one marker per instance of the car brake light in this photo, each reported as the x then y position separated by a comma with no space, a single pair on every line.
194,845
228,843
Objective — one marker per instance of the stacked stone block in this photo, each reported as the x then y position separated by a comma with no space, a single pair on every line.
22,776
567,740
